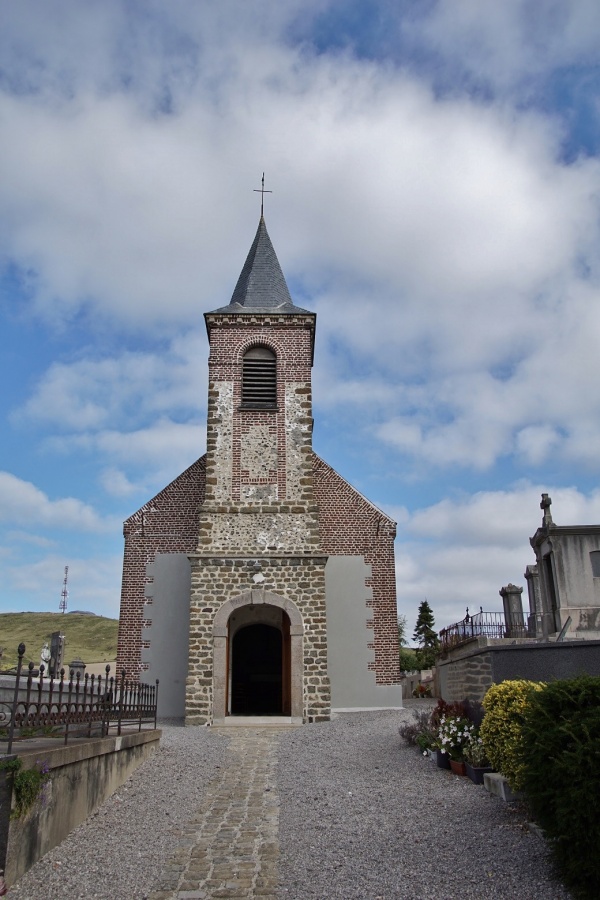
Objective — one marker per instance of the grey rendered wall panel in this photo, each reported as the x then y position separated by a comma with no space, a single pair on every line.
353,684
168,634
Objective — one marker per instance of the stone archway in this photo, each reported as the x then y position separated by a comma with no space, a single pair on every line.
293,669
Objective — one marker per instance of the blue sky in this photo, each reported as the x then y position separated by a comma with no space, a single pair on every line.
436,179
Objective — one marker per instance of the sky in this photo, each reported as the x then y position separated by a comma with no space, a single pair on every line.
435,169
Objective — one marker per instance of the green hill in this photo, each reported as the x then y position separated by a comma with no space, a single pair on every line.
91,638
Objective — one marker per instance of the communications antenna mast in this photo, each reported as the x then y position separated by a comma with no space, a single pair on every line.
64,593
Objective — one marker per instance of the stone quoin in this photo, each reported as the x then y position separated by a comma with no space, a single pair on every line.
259,582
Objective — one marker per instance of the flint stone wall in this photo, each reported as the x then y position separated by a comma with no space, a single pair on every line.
215,580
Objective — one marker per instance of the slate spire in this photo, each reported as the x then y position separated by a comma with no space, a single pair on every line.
261,286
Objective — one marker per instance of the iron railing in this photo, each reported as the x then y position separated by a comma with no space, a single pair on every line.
74,707
482,624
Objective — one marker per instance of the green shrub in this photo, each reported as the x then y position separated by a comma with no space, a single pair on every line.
408,659
425,740
505,705
28,784
561,776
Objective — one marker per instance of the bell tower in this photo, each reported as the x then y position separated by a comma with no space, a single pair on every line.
258,532
259,491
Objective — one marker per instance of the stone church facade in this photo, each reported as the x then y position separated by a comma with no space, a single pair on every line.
259,582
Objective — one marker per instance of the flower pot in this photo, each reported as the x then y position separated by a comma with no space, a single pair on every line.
476,773
458,767
442,759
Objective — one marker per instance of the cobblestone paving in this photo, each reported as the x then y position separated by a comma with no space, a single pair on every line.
230,849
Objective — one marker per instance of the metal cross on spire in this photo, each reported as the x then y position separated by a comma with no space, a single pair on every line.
261,190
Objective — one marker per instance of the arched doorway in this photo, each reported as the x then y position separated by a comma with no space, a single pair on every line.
256,671
258,657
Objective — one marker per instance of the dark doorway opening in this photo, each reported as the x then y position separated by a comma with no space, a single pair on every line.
256,671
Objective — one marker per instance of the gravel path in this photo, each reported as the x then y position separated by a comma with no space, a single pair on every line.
121,850
361,816
365,816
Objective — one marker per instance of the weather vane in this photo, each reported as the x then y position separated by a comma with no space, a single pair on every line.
261,190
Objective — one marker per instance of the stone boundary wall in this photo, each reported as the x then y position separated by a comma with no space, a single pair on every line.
469,670
83,775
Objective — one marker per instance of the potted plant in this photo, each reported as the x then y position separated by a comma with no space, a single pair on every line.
454,734
442,757
425,741
476,761
421,691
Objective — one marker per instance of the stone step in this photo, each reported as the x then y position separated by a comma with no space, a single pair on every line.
497,785
257,721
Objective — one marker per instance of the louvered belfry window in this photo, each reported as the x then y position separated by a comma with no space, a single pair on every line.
259,378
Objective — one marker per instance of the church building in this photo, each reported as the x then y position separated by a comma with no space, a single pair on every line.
259,582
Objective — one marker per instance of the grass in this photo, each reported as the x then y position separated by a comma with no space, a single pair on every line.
90,638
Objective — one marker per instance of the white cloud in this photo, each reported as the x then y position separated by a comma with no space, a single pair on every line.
511,43
23,503
116,483
148,458
536,442
89,394
37,540
127,210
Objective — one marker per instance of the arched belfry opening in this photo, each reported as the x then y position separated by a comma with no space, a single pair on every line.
258,659
259,378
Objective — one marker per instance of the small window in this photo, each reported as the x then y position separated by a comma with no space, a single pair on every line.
595,560
259,378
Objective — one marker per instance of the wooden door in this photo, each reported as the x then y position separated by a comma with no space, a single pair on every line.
286,664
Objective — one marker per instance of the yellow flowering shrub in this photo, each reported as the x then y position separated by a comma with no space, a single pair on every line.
505,706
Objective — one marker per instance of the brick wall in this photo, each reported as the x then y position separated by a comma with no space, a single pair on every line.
166,524
350,525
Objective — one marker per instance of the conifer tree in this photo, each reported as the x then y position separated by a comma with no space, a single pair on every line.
408,656
425,636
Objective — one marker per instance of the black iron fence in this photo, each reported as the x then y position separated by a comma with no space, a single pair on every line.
486,624
75,706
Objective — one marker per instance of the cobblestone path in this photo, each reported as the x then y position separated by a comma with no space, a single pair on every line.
230,849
